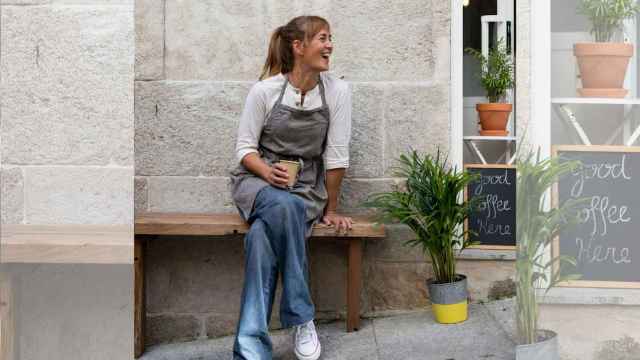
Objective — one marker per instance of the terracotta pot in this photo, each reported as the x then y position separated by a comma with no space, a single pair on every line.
602,68
494,118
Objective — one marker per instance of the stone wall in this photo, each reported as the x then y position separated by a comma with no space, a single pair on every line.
195,63
67,111
67,160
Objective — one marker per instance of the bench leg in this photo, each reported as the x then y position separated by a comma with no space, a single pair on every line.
139,312
354,284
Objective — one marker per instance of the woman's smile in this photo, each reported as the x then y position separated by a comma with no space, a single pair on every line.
321,48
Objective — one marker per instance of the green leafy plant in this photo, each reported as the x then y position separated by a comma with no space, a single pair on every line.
496,71
536,227
607,16
430,206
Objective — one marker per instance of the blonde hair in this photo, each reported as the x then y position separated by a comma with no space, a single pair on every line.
280,56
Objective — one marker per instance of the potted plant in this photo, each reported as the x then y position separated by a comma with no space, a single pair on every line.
429,204
496,77
603,63
536,228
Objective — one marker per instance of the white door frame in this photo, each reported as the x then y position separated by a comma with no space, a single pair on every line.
456,99
538,131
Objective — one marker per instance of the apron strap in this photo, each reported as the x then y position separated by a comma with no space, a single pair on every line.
324,99
284,87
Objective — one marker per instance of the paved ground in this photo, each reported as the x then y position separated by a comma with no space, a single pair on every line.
487,334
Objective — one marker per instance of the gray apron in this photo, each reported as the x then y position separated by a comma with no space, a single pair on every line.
289,134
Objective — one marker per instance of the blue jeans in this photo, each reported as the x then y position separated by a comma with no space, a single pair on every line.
275,244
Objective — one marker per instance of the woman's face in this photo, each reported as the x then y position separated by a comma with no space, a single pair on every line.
318,51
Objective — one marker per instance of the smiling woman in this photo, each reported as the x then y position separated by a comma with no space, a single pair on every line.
295,120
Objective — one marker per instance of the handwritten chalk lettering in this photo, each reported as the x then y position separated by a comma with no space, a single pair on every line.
600,171
492,180
489,228
493,205
592,253
600,214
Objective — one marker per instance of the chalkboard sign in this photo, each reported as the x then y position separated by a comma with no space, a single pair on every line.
494,220
606,241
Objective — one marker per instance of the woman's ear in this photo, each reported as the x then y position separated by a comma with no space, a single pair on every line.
298,47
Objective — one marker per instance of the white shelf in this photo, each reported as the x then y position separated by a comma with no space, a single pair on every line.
562,107
470,142
596,101
489,138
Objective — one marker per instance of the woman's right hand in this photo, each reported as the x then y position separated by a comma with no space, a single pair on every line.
277,176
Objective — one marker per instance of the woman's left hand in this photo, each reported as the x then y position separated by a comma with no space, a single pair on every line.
331,218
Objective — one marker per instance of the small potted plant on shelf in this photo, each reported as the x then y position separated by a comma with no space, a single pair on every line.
536,228
603,63
430,205
496,77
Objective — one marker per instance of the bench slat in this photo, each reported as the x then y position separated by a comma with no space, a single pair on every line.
228,224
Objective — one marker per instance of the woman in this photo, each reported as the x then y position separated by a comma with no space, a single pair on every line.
296,113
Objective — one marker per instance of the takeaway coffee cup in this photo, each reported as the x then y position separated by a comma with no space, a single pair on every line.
292,169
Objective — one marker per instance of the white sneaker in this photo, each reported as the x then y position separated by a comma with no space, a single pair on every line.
307,345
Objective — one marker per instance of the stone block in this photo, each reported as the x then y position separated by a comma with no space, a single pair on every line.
141,195
67,74
392,248
221,40
397,286
366,147
169,328
483,275
187,128
78,195
354,192
278,13
328,265
417,117
195,275
12,195
149,39
402,50
189,194
223,324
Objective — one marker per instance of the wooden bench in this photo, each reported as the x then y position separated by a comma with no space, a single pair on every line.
150,225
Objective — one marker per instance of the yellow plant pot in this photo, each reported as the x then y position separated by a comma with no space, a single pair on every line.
450,313
449,301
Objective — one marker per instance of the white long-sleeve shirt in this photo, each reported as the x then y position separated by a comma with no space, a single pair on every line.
263,96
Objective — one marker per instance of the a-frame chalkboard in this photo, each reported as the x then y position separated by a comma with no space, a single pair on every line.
494,221
606,242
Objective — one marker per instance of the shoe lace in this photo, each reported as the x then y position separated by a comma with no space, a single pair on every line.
304,333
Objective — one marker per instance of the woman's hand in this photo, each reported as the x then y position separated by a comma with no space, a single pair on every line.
277,176
331,218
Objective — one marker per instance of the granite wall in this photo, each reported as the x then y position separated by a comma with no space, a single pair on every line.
67,161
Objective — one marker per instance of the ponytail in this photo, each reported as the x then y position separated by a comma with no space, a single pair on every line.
280,59
273,65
